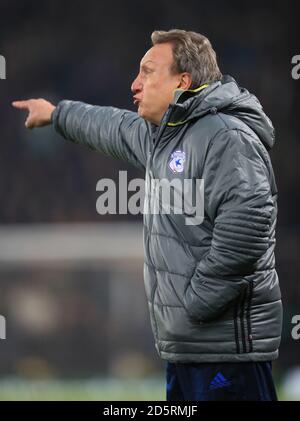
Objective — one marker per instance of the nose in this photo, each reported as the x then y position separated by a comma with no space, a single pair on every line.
136,85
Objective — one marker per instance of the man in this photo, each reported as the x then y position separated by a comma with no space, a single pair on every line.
212,288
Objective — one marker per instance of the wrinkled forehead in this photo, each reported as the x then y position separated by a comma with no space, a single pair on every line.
159,54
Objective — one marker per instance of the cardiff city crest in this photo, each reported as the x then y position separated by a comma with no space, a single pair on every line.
177,161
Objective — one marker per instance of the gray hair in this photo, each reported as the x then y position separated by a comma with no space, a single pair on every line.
193,53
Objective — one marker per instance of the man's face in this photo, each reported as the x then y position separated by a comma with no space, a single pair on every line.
154,86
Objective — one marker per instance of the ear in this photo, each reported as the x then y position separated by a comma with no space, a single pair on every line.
185,81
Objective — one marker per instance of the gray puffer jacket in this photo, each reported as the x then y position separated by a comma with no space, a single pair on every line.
212,288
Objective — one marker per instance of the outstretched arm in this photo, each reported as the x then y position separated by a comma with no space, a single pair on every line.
118,133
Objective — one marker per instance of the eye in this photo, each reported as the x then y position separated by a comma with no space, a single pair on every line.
147,71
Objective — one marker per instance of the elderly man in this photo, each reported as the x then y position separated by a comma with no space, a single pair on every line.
212,288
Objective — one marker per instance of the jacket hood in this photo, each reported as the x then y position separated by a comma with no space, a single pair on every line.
225,96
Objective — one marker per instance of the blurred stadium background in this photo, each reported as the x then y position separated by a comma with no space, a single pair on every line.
71,281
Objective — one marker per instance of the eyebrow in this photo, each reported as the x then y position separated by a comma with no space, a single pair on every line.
145,65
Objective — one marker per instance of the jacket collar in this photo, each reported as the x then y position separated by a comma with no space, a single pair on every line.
187,103
180,95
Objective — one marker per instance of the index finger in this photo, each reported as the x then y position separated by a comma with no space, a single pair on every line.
22,105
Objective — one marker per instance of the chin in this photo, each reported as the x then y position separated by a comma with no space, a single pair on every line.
142,113
145,115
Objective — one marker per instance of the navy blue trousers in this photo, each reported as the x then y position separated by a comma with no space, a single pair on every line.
243,381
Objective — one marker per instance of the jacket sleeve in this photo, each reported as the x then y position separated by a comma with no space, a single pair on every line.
119,133
238,202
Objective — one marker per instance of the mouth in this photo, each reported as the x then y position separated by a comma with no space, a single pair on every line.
136,101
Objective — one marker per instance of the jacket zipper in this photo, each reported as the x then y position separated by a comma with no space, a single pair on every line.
242,316
152,151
